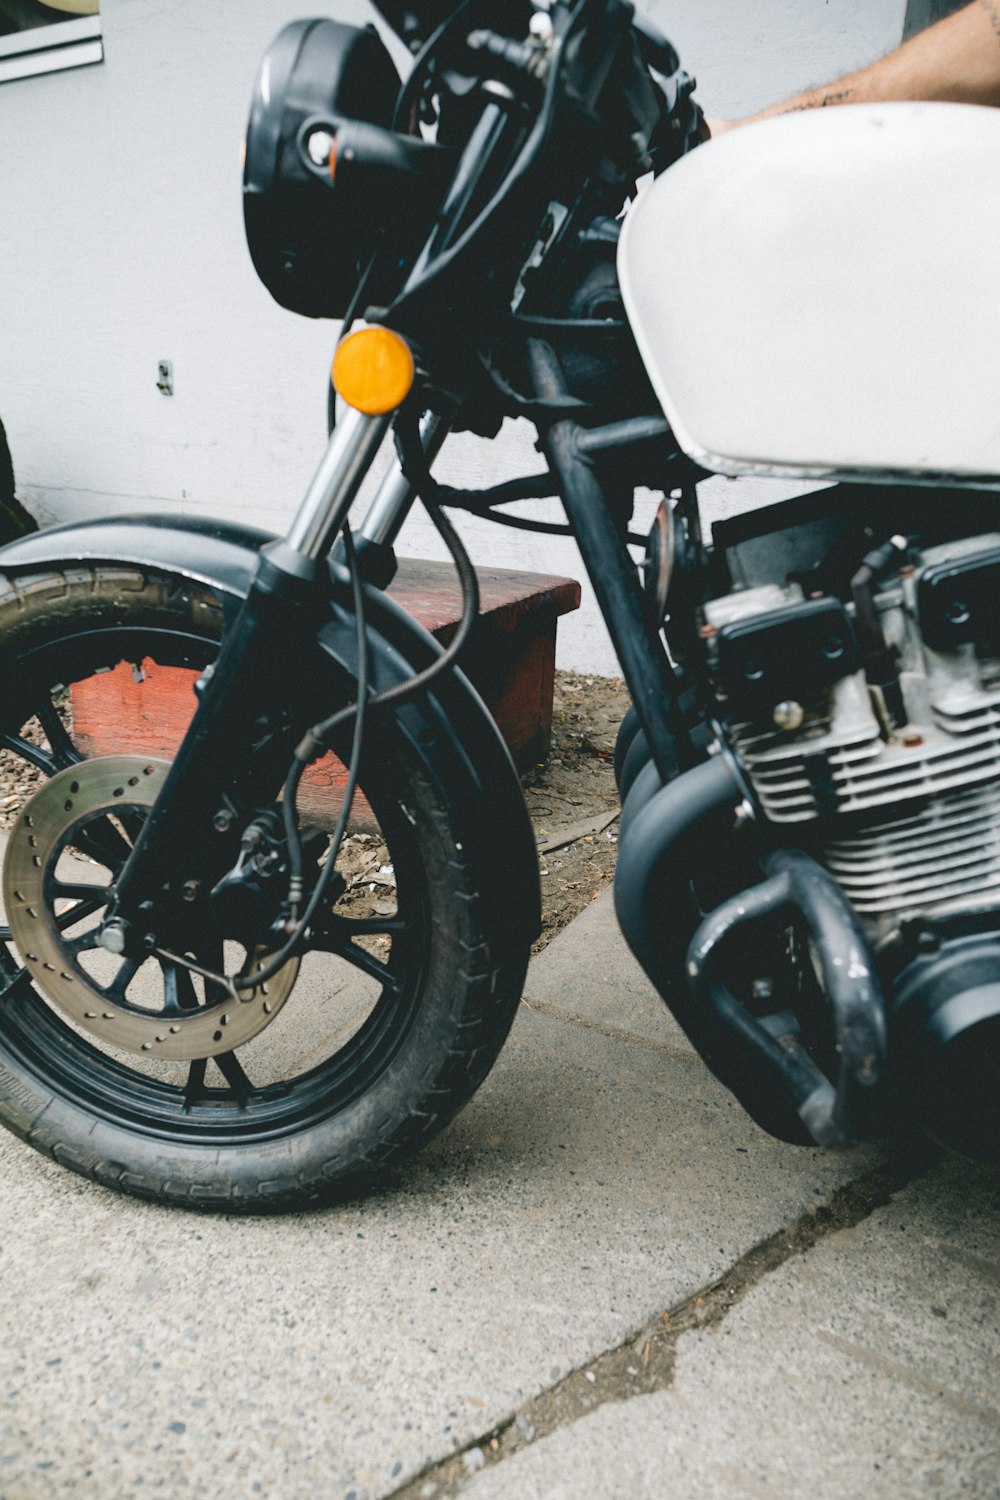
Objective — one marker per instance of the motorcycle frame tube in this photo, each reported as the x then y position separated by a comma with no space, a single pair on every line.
613,575
457,739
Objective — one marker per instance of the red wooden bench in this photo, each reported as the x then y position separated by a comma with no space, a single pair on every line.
510,659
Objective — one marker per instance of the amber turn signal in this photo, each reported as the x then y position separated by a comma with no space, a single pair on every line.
373,370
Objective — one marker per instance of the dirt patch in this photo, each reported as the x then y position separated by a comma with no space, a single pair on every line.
19,779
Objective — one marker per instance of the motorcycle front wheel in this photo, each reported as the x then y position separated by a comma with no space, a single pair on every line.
381,1036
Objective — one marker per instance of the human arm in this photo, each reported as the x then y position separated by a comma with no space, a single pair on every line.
956,60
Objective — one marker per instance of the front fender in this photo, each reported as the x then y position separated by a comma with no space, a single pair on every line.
220,554
457,738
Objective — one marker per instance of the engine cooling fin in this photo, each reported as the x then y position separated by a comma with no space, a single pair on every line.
943,859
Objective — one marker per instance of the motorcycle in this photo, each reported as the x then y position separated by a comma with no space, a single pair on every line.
809,869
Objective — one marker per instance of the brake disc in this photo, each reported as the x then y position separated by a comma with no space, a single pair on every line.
62,857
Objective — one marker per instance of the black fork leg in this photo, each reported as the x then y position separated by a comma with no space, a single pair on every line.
239,738
253,678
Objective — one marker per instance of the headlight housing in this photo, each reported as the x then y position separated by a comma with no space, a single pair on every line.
306,239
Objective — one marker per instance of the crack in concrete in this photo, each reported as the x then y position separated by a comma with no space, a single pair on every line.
613,1033
647,1360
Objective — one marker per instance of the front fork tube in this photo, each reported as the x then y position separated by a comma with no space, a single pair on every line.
644,662
188,834
258,673
375,537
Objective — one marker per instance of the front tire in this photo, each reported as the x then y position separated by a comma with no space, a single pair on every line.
400,1016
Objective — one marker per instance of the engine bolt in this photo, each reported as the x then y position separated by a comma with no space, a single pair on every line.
707,632
788,714
223,821
911,741
149,941
191,890
744,813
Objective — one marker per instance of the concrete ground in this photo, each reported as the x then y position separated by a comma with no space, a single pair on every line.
603,1280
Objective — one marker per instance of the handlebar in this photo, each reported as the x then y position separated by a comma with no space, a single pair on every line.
551,113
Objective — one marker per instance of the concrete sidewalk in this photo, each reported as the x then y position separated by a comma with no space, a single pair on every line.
493,1323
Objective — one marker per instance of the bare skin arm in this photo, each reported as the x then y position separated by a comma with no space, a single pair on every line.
957,60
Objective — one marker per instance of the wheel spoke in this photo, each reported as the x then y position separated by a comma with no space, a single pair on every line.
61,750
374,967
232,1071
84,942
10,988
353,927
79,913
78,890
338,937
87,901
115,991
194,1086
64,752
33,754
131,821
212,956
179,993
104,842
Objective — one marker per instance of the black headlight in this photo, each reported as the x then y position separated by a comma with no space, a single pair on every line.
307,240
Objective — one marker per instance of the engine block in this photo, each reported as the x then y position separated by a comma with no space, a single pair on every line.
912,813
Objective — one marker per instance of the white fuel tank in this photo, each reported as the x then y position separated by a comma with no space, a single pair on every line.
819,295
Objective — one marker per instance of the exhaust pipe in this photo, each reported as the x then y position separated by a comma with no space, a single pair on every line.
653,901
836,1113
668,834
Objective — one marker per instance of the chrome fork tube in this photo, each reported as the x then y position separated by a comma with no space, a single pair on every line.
335,485
391,505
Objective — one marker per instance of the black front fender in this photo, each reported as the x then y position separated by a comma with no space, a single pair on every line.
221,554
458,740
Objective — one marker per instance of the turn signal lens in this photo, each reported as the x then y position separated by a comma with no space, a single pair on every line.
373,370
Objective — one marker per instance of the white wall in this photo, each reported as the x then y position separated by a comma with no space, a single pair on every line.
122,244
